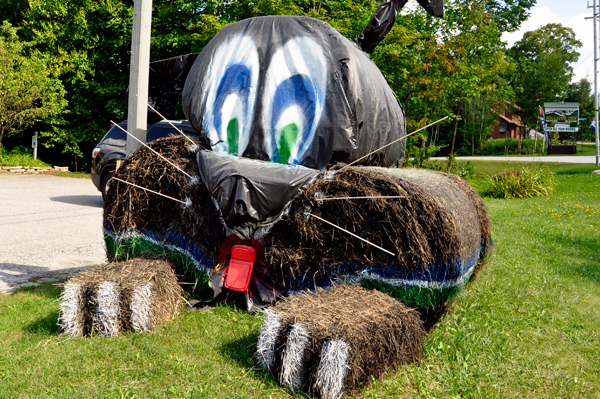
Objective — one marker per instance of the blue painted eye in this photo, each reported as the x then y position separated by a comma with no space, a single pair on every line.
293,114
231,105
231,82
293,99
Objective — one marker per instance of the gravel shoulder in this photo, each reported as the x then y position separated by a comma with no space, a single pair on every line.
50,227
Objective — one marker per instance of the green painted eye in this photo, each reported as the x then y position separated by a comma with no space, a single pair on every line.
233,136
287,140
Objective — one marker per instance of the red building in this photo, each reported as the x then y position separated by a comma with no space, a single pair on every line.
508,127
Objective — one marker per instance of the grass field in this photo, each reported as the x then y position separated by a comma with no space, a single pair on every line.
527,327
77,175
588,149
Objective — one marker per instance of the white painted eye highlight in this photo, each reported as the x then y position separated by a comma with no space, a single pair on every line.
293,99
231,83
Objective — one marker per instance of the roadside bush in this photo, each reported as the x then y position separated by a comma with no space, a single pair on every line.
417,157
19,156
564,142
525,183
463,169
511,147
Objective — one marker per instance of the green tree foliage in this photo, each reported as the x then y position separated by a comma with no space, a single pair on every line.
437,67
581,92
442,67
88,44
28,90
543,71
509,14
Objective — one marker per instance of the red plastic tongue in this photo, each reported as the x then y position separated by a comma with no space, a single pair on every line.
240,268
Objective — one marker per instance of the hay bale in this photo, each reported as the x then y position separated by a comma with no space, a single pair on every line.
438,231
197,228
139,294
334,340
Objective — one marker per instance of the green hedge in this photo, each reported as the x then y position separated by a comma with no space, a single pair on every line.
511,147
19,156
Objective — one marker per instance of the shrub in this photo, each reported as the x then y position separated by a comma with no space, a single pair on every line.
511,147
19,156
526,183
419,158
462,169
564,142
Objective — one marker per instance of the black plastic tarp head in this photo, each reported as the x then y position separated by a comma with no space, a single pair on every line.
292,90
249,191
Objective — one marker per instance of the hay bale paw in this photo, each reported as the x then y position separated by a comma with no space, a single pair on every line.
139,295
334,340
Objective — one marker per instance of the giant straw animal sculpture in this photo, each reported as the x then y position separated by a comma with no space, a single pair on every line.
266,206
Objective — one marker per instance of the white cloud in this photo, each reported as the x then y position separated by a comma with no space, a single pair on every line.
582,27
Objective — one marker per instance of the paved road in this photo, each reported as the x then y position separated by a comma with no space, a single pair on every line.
587,159
49,227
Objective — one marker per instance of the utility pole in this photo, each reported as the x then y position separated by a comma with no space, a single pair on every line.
595,17
137,114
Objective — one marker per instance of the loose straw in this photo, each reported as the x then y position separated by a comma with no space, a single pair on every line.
352,234
395,141
147,189
145,145
353,198
168,121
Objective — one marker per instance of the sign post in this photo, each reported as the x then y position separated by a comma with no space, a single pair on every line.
595,17
34,145
582,119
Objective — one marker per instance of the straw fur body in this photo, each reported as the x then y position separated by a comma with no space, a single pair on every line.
334,340
436,225
139,294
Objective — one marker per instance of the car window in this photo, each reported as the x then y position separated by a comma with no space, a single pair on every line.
159,132
115,137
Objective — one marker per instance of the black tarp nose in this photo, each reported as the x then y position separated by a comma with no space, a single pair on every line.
248,190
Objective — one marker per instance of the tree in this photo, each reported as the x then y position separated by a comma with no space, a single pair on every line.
442,67
28,91
509,14
581,92
434,65
543,71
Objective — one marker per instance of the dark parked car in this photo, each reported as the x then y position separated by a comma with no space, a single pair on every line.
112,149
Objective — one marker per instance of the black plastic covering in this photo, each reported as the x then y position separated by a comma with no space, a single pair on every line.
380,25
433,7
292,90
165,85
250,191
383,20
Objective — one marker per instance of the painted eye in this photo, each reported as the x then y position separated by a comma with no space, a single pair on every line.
231,83
293,98
231,106
294,105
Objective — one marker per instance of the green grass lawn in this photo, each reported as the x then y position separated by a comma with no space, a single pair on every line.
588,149
77,175
527,327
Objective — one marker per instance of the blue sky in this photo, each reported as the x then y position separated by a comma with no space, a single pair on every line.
568,13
